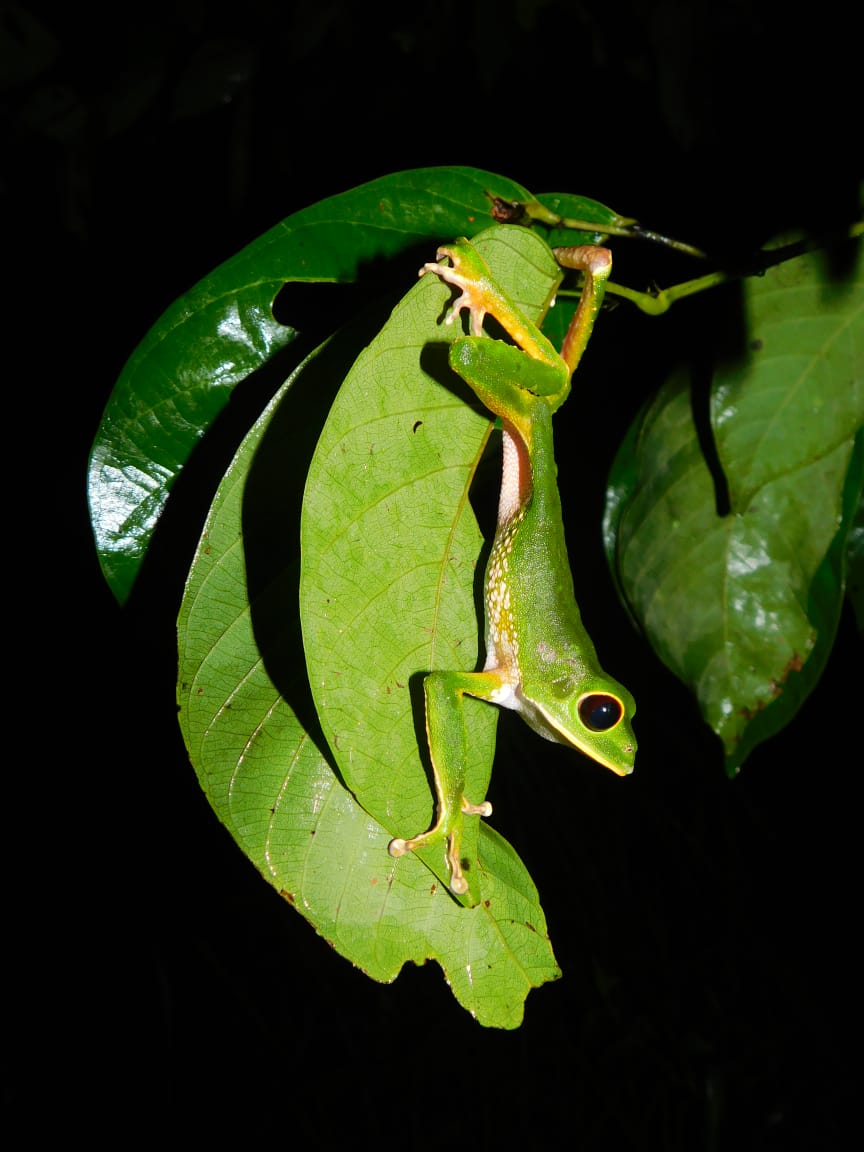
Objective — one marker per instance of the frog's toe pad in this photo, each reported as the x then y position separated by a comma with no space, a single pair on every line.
484,809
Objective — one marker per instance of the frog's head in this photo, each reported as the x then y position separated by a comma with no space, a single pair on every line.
602,727
593,714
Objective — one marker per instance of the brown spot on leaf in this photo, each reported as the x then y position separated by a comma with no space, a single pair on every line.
794,664
506,211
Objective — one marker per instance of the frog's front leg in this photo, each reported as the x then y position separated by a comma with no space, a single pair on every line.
480,295
447,738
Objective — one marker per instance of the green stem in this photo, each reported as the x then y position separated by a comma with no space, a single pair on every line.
656,303
618,226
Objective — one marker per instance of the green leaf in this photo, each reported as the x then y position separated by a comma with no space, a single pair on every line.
855,556
251,730
181,375
743,606
390,544
573,207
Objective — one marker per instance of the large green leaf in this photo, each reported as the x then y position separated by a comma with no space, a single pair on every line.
390,546
743,604
181,375
855,582
245,708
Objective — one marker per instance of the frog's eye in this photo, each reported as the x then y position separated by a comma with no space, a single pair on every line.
600,712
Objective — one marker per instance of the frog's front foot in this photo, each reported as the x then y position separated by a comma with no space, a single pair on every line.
458,882
466,271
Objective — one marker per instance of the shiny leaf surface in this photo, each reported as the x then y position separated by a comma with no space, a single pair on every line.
743,604
181,375
855,557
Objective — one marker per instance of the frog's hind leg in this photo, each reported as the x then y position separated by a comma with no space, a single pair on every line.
445,730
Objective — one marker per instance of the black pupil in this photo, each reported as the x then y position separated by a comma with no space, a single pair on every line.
600,712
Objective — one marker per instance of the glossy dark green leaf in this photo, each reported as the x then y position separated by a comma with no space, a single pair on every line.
179,378
743,605
855,558
577,208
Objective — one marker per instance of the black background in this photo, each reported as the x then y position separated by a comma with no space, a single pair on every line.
706,928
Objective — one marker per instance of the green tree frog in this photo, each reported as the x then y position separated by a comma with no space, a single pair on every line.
540,660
